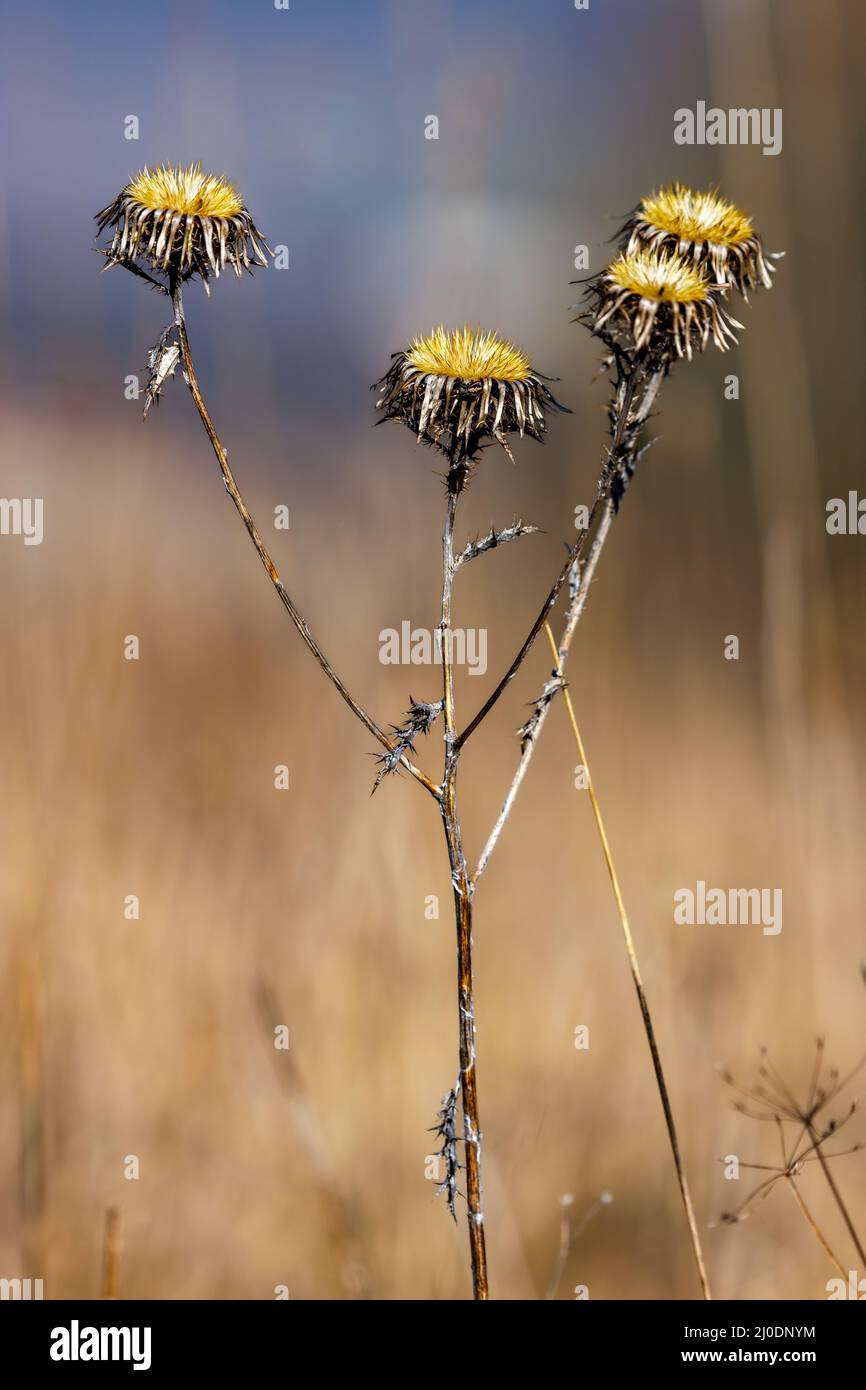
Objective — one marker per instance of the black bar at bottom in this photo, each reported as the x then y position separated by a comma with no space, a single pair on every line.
75,1338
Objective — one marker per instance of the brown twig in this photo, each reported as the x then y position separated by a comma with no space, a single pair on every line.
462,889
561,578
283,595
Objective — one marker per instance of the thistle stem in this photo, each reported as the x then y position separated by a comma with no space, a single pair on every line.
641,386
463,915
233,491
600,521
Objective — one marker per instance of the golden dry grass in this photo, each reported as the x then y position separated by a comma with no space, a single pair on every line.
155,778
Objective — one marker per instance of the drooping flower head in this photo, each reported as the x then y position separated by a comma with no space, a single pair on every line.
456,389
703,228
660,301
182,222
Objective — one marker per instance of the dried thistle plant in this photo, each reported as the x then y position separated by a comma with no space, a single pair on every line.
458,392
455,391
646,326
770,1099
652,307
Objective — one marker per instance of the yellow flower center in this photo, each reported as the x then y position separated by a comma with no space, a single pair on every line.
698,217
188,191
468,354
657,275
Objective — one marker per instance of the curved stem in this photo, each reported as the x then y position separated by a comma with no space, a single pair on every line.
233,491
574,613
639,988
573,556
602,517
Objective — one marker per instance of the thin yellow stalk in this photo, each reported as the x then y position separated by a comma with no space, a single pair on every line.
638,983
813,1226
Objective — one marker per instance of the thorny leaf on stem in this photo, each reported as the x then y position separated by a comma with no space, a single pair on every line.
446,1129
420,719
493,538
527,730
161,360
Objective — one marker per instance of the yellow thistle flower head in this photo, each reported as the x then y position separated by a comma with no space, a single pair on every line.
659,276
188,191
456,389
705,229
469,355
696,217
659,301
183,222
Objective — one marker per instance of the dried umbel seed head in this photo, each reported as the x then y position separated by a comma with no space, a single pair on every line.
457,389
183,222
659,301
703,228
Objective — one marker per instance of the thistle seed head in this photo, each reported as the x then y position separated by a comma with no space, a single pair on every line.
660,301
183,222
704,228
457,390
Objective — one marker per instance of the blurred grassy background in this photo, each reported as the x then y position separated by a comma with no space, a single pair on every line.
307,907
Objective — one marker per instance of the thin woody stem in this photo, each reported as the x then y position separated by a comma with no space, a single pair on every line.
283,595
626,390
573,556
837,1196
574,613
463,914
448,568
639,987
601,518
813,1226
